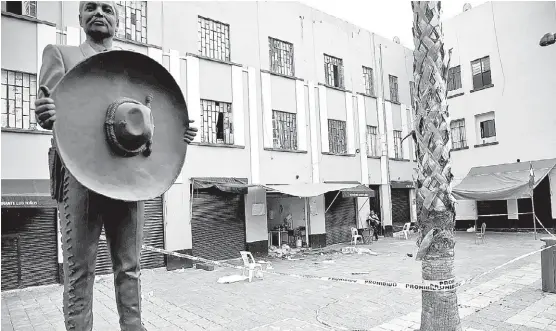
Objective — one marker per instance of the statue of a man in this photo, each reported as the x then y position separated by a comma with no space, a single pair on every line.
83,212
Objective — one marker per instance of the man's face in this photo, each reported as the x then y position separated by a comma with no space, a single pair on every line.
98,18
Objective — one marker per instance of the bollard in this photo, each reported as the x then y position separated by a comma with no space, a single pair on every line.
548,266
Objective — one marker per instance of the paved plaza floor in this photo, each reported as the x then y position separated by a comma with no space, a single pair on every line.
508,299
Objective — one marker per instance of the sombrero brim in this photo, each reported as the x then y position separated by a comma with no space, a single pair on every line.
82,98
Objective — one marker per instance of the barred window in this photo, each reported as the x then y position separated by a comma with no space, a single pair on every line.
368,81
281,57
216,121
27,8
488,129
372,141
481,72
19,91
334,71
337,143
214,39
394,97
398,149
133,20
454,78
284,130
457,132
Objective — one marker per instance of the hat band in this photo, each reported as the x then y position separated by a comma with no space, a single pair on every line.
111,133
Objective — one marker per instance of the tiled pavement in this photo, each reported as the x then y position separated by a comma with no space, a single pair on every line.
508,299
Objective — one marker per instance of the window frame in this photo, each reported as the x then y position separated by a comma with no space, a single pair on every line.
458,126
372,140
394,88
454,78
483,127
368,81
223,48
5,100
210,135
284,118
279,64
337,146
398,147
483,73
334,78
122,7
25,11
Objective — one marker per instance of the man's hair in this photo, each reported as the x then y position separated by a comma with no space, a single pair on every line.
83,3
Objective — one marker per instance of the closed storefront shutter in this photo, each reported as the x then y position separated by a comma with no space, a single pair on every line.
400,208
29,240
218,225
493,207
153,235
339,219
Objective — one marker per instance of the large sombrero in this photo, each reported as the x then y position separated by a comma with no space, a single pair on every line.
120,122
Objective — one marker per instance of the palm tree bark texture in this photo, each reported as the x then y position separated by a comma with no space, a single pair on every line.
431,132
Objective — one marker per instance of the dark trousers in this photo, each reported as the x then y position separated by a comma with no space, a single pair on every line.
82,214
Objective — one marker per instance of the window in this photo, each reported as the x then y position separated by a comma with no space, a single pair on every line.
372,141
393,88
19,91
457,131
368,81
214,39
334,71
281,57
481,73
133,20
398,151
284,130
454,78
27,8
337,143
488,129
216,119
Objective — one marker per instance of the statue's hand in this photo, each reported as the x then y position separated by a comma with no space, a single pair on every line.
190,133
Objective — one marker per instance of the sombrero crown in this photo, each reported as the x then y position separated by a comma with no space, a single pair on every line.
108,107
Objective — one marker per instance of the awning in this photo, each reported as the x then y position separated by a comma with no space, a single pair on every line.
360,191
309,190
224,184
501,182
26,193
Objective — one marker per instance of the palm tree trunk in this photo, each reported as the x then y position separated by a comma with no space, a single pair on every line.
435,205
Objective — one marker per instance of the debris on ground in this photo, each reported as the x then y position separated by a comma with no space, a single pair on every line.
409,254
231,279
360,273
285,252
353,250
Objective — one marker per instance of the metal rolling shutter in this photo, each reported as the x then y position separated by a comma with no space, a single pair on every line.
218,225
35,230
11,272
153,235
400,208
339,218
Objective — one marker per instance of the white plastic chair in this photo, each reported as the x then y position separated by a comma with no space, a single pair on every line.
355,235
481,235
250,265
404,233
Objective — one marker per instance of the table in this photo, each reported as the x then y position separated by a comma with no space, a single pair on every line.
279,232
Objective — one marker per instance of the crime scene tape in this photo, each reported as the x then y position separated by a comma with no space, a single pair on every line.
427,285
